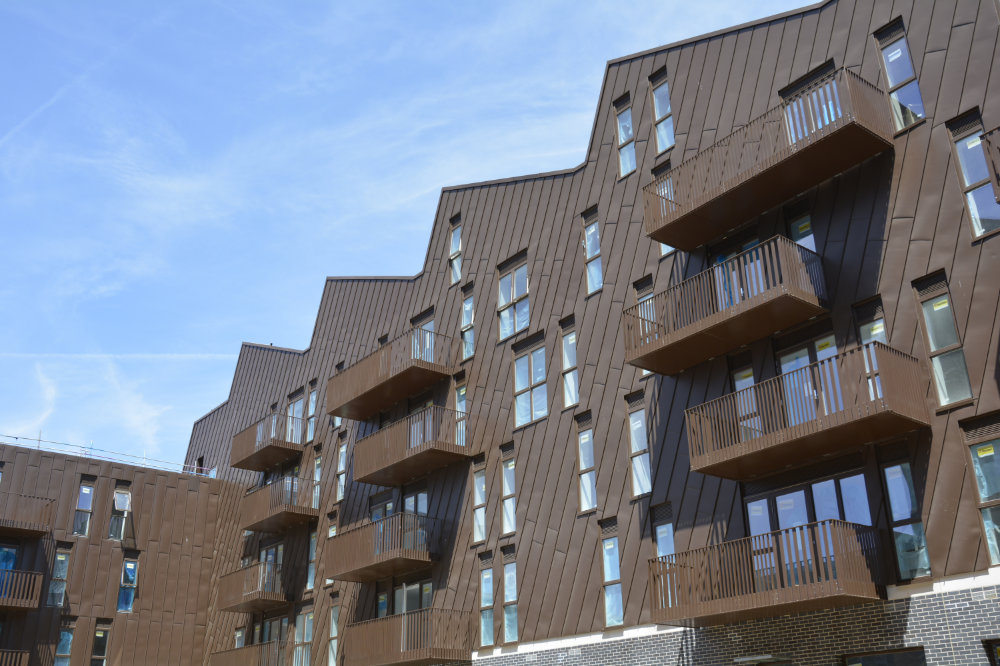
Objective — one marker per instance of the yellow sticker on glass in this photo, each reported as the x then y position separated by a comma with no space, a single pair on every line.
878,328
820,346
973,142
941,304
805,226
986,450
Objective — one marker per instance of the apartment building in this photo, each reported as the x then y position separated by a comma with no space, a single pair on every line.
726,392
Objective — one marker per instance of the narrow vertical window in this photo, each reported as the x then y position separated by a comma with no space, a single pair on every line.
341,471
907,528
468,330
951,376
99,651
663,117
311,569
129,582
639,453
121,506
486,607
239,637
317,480
311,413
479,505
587,473
460,416
648,329
904,92
613,610
513,303
64,648
84,508
57,585
455,254
663,534
571,388
510,602
530,397
974,177
986,464
592,256
331,654
509,502
302,653
626,142
293,421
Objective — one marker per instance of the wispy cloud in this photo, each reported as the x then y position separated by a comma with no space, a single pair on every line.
149,356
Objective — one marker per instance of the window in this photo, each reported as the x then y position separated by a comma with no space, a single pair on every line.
302,654
639,453
907,528
665,249
986,464
663,534
317,479
239,637
84,507
455,254
974,176
311,413
57,586
951,377
293,421
571,388
510,602
468,331
513,302
626,142
587,473
412,596
486,607
613,610
341,472
663,118
530,398
331,653
99,653
64,647
592,256
311,570
479,505
993,652
646,321
843,497
910,657
119,513
460,416
509,502
904,93
126,593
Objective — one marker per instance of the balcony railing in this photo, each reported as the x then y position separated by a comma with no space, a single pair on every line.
765,289
828,126
402,367
24,515
430,635
812,566
858,396
19,590
393,546
991,147
271,441
288,501
14,657
273,653
413,446
251,589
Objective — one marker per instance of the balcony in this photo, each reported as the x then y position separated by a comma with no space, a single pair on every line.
765,289
402,367
427,636
273,653
252,589
861,395
427,440
14,657
814,566
393,546
991,147
24,515
827,127
278,506
19,590
271,441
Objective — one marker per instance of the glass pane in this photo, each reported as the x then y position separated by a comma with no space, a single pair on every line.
902,495
522,372
986,463
126,596
509,515
100,643
664,535
825,500
898,67
802,232
641,483
907,105
460,399
626,159
86,500
334,621
506,323
951,377
873,331
123,500
57,592
586,446
592,240
595,278
971,159
130,571
792,510
625,125
383,604
508,477
479,524
940,322
456,239
510,623
588,491
486,627
522,409
569,350
504,296
665,249
510,582
61,566
486,587
571,393
456,269
65,644
468,311
521,315
521,281
609,554
854,493
911,551
664,135
661,101
539,402
991,522
759,517
613,615
538,365
984,209
637,430
479,488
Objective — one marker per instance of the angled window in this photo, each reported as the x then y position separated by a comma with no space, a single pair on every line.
587,472
331,655
904,92
479,505
120,509
531,401
99,651
626,140
974,177
951,376
341,472
302,653
60,572
293,421
64,647
509,500
510,602
663,534
613,609
311,413
455,254
84,509
639,453
663,117
648,329
311,568
468,329
571,387
317,480
592,256
486,607
129,582
907,527
513,302
986,465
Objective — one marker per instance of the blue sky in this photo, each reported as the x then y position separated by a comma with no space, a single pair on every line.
177,178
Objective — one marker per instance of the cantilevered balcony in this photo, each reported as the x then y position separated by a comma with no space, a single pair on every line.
19,590
765,289
24,515
825,128
819,565
271,441
285,503
393,546
991,147
273,653
413,446
402,367
861,395
252,589
14,657
427,636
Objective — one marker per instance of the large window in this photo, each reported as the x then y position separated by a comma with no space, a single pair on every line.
510,602
530,398
84,508
592,256
951,377
468,329
613,609
974,177
64,647
302,653
843,497
479,505
129,582
626,142
99,651
331,654
455,254
986,464
486,607
57,585
587,472
639,453
341,472
904,92
512,302
907,528
571,383
120,509
509,501
663,117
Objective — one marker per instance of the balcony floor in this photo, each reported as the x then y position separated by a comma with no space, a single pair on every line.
258,603
18,529
418,376
398,562
429,457
286,518
266,457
